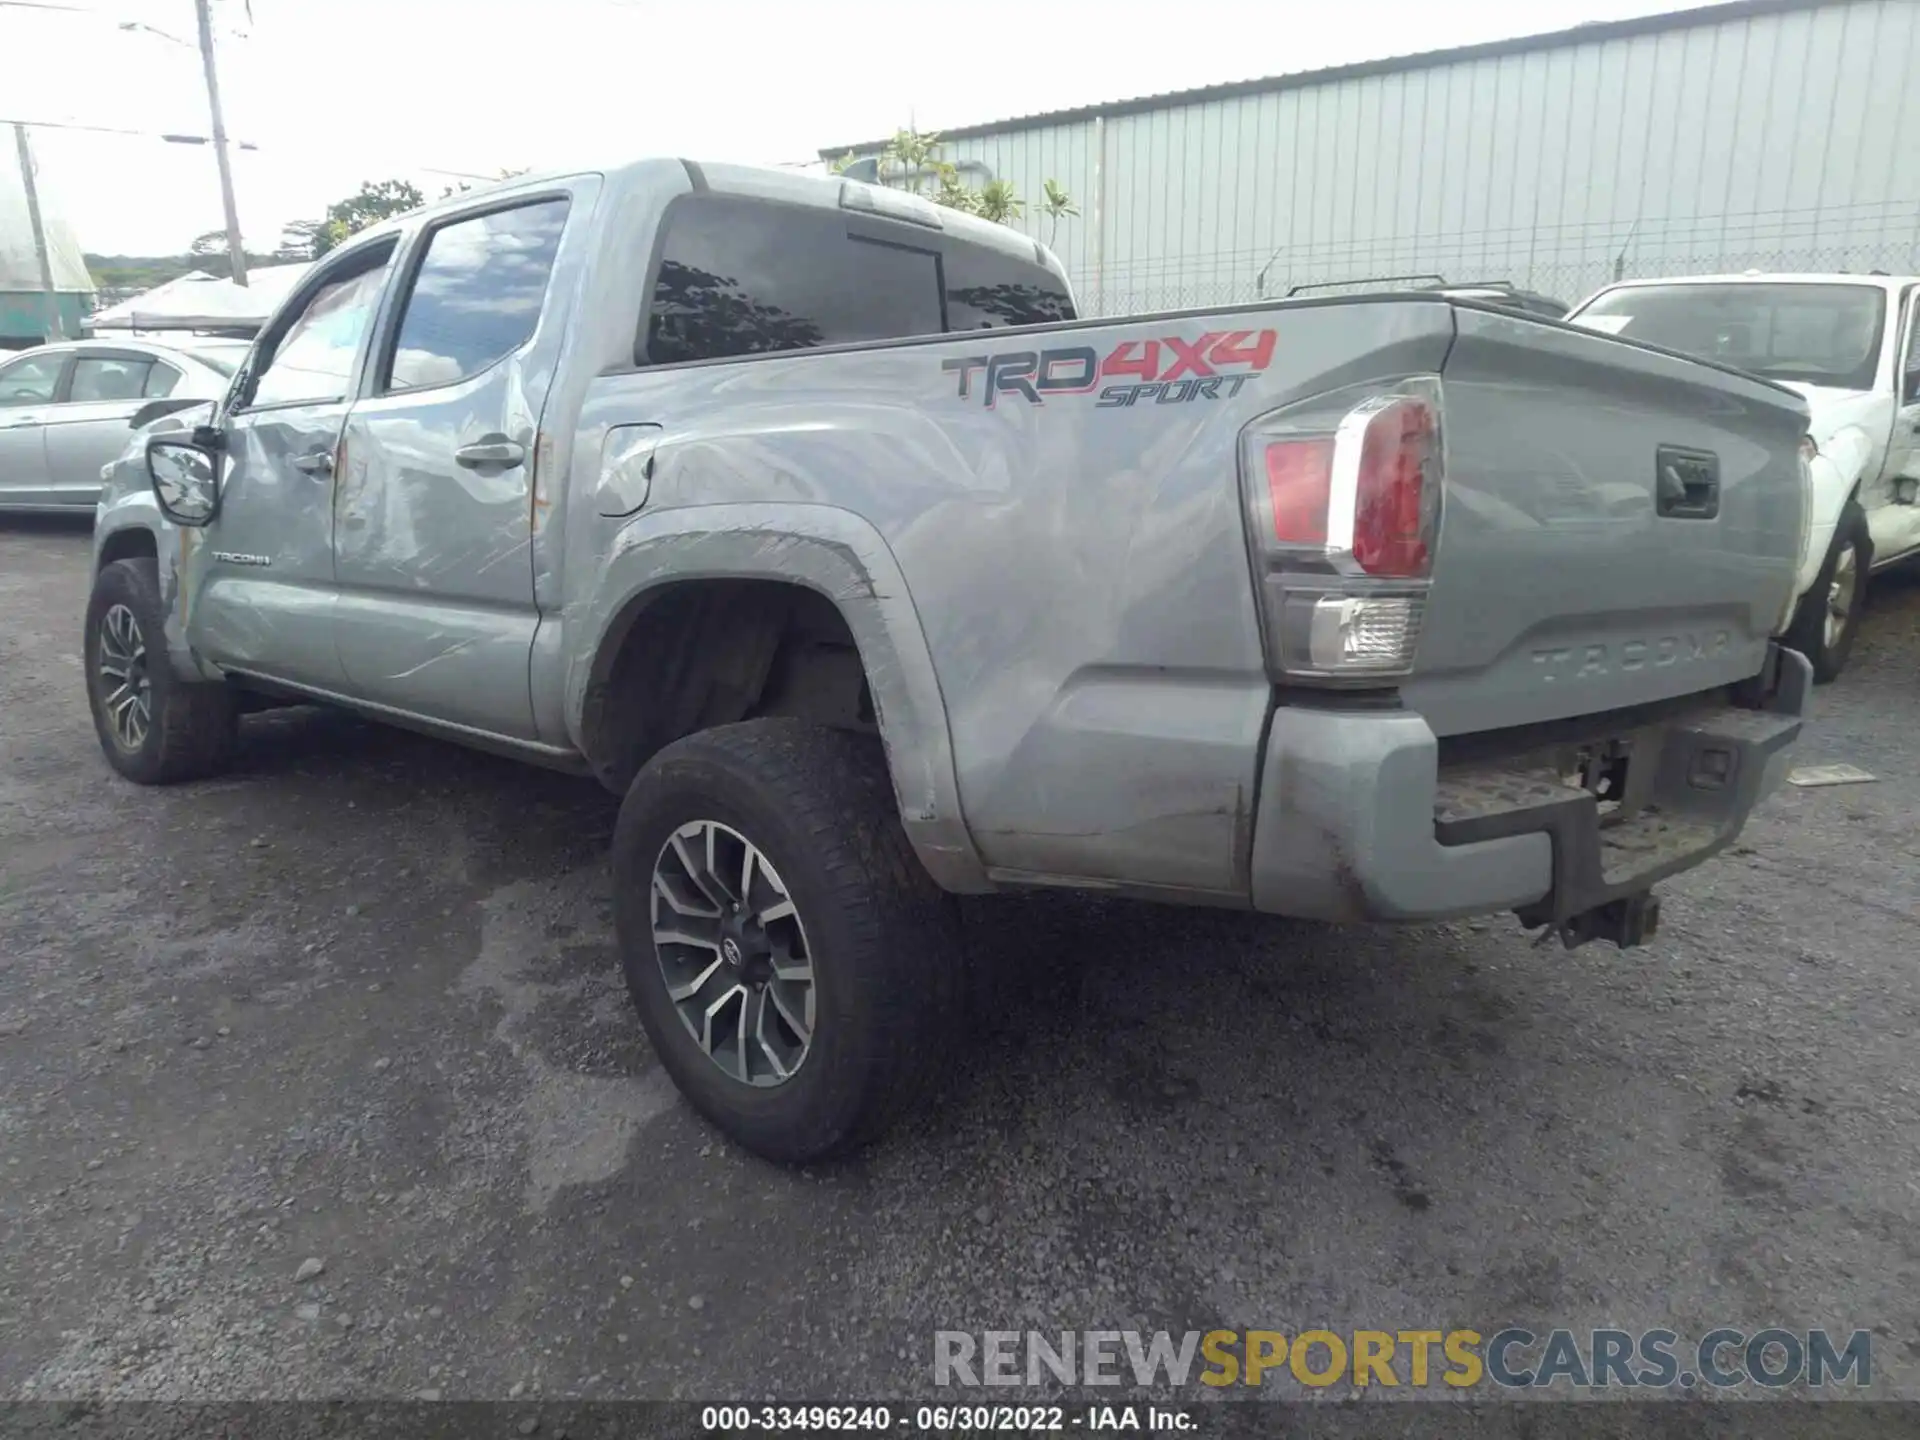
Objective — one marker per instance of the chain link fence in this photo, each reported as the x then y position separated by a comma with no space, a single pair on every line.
1568,262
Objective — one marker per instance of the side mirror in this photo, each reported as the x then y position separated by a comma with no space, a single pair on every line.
185,481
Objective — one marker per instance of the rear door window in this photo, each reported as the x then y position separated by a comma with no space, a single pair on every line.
987,289
478,294
99,378
741,277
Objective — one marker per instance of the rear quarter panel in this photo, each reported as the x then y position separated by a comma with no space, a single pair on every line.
1077,564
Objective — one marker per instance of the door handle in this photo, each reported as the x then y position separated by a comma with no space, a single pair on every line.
506,453
1686,484
319,462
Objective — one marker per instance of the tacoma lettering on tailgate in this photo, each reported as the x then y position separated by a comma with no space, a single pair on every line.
1581,662
1172,370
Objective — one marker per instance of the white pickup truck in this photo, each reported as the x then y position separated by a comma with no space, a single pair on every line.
1851,345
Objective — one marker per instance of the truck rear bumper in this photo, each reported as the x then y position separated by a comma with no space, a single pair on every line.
1358,820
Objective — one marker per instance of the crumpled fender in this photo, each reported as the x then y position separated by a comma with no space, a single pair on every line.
844,558
1837,472
123,510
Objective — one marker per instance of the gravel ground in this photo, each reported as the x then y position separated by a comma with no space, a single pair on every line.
357,1003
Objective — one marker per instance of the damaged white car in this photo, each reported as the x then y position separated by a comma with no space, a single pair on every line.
1851,345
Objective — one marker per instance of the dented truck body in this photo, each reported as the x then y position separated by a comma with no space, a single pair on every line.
1353,608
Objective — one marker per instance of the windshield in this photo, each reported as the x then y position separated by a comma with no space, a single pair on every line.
1816,334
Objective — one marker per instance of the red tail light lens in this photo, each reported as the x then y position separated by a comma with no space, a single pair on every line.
1299,481
1391,514
1343,493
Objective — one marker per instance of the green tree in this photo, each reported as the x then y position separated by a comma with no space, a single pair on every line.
999,201
208,252
914,161
1055,204
375,201
296,240
465,185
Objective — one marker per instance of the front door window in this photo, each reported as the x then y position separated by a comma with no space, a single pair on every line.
312,362
30,381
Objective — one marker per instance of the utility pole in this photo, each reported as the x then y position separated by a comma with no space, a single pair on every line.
56,327
203,10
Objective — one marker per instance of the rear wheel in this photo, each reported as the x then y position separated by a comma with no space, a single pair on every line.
794,966
154,727
1828,615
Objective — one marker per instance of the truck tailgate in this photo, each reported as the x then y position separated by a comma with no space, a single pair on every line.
1620,526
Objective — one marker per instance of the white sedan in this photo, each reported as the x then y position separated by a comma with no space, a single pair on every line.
67,408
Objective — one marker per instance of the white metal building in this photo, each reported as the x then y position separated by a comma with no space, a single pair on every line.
1781,134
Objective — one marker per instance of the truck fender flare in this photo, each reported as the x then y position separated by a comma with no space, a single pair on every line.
139,513
842,557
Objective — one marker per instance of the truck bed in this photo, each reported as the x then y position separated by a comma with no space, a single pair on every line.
1064,507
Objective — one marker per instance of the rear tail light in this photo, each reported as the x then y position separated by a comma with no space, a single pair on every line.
1343,515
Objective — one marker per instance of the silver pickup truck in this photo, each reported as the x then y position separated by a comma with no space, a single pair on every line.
811,520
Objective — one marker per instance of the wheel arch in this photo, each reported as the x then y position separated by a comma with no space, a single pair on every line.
130,527
746,561
128,542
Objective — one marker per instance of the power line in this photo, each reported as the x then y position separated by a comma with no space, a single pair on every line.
94,12
173,139
170,138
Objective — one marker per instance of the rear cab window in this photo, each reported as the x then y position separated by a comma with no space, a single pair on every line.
738,276
987,290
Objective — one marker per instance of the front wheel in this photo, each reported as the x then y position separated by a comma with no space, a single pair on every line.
795,967
154,727
1828,615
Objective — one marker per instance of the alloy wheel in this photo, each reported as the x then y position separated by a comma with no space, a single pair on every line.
126,688
1841,592
733,953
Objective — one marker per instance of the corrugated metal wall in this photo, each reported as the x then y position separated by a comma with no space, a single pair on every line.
1780,141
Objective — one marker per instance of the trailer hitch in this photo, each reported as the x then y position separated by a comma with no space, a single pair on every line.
1628,921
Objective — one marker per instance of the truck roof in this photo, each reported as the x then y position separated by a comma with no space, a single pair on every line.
793,187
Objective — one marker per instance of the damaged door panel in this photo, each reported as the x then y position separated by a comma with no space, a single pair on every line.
433,557
260,584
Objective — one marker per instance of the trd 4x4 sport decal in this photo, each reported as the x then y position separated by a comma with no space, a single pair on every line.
1169,371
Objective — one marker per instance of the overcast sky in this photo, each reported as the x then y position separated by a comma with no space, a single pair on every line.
334,92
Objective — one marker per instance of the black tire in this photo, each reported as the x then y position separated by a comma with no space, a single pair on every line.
1809,632
192,727
883,939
